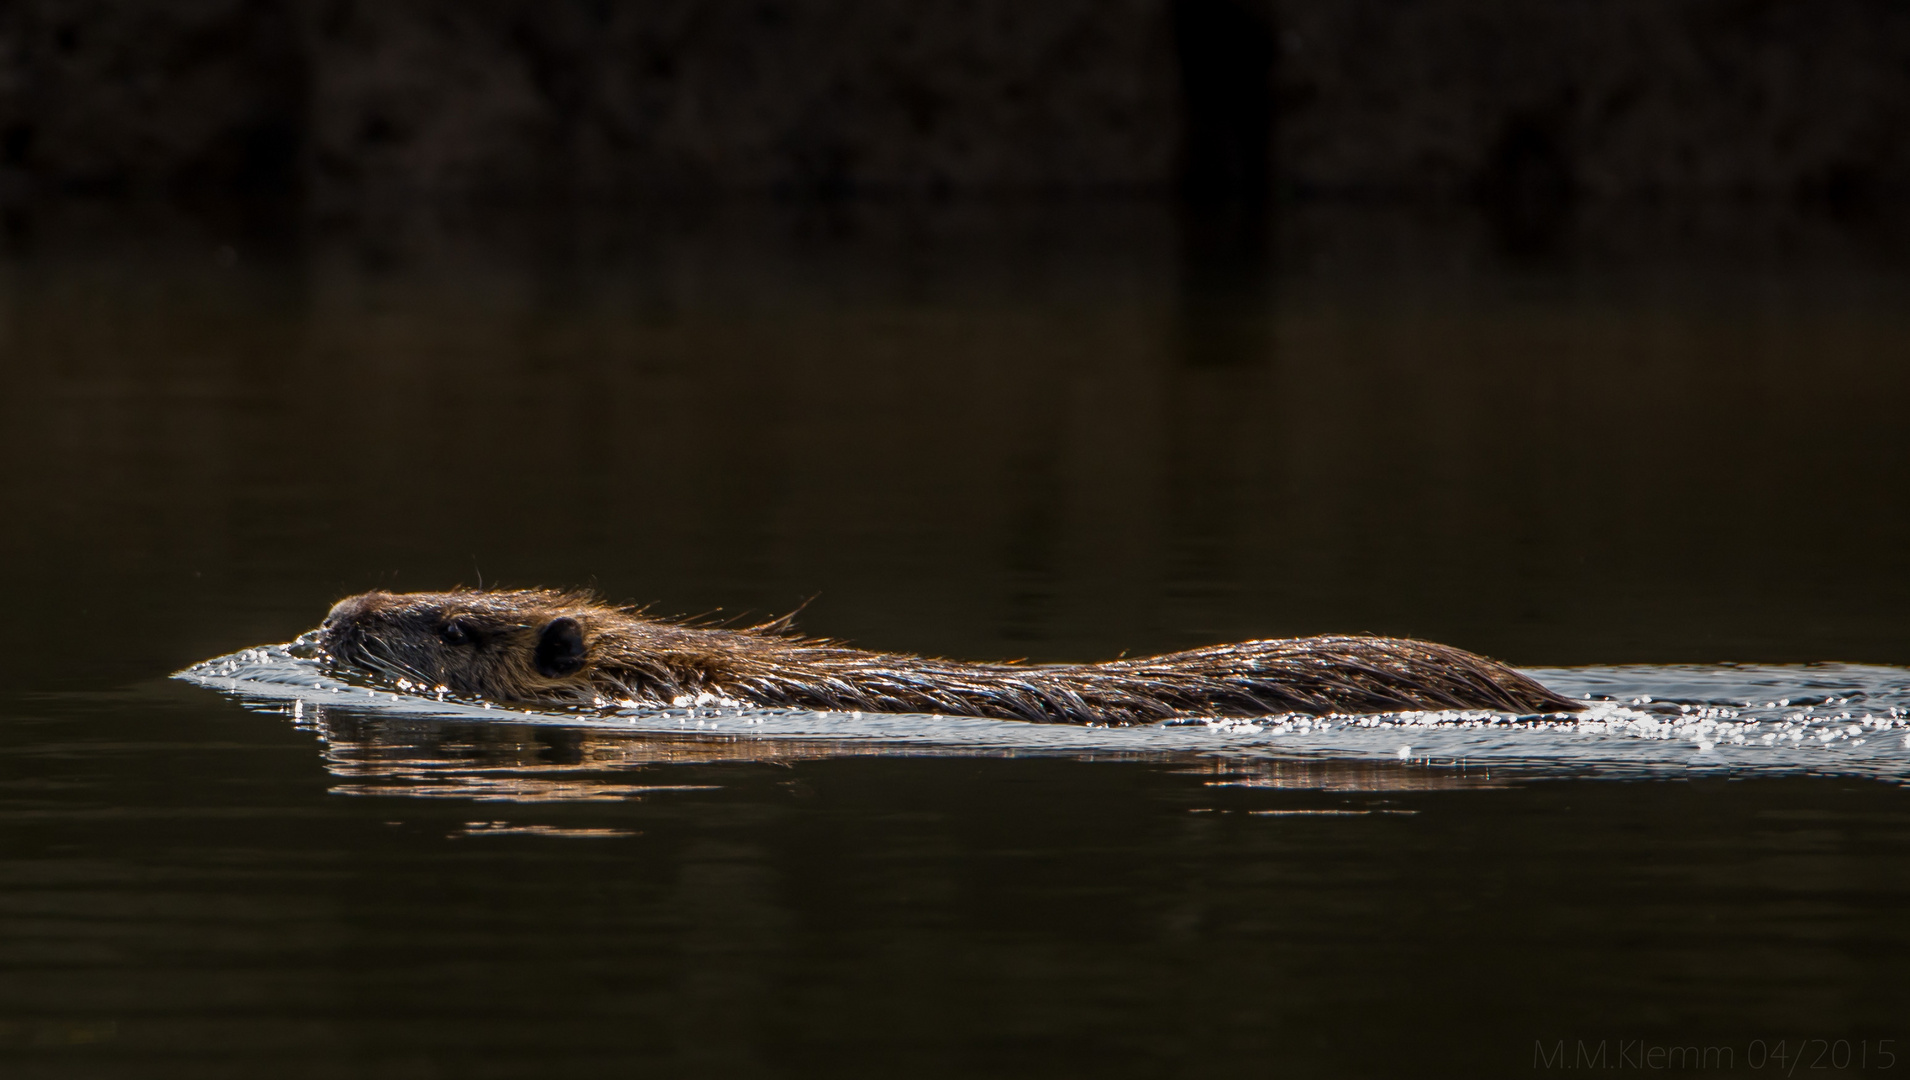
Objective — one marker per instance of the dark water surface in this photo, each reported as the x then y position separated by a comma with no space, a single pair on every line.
1639,437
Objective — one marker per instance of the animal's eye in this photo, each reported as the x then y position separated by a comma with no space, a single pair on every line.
454,632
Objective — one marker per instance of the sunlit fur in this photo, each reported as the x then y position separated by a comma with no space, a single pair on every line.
633,658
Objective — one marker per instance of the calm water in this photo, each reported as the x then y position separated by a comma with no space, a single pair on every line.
1657,456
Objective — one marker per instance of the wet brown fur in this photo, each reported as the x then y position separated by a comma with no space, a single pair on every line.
540,645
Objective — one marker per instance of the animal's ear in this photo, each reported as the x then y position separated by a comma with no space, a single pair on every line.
560,648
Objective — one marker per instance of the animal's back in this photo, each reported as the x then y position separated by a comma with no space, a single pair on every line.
1345,673
1314,675
569,648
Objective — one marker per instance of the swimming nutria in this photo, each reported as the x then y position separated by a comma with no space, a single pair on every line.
542,645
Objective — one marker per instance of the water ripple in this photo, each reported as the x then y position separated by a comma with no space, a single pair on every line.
1840,719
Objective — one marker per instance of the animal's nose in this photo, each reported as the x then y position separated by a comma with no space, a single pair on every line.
346,613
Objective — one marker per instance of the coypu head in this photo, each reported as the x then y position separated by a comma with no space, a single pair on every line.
516,645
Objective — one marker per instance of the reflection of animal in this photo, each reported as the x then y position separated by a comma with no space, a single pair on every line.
539,645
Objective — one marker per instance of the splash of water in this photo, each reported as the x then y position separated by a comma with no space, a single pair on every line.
1834,719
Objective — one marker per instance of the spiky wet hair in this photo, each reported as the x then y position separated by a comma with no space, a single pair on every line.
542,645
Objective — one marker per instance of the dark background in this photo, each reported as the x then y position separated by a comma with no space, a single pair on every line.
345,104
1048,430
1570,332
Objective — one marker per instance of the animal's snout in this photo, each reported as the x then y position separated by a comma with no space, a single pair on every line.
346,615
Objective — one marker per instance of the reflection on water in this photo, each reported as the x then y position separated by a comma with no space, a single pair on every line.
522,763
505,828
1339,775
1822,719
182,893
540,764
1062,432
